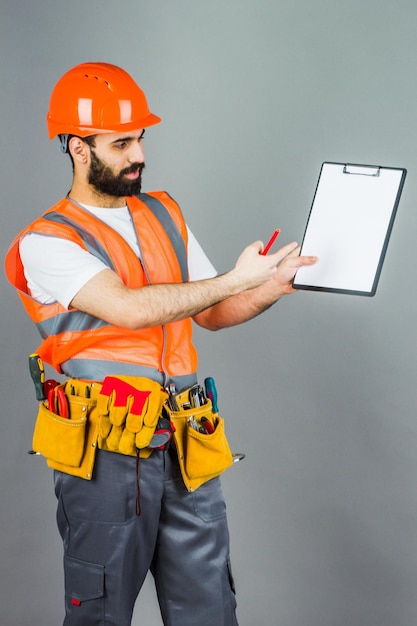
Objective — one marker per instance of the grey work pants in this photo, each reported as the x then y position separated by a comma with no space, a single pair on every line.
181,537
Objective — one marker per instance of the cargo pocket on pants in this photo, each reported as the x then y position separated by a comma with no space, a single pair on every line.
84,591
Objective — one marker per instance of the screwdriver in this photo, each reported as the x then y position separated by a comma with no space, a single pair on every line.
211,392
37,373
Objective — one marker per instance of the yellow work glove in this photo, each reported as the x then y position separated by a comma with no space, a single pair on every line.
129,408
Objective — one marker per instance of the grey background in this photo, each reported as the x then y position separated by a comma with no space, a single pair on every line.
321,391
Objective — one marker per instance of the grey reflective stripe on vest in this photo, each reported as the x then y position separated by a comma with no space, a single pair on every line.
77,320
95,369
171,229
72,321
159,211
91,243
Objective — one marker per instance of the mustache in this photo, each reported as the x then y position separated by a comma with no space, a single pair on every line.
133,168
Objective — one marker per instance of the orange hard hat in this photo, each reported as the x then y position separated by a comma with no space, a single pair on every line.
94,98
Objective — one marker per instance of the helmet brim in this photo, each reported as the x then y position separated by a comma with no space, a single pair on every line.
59,128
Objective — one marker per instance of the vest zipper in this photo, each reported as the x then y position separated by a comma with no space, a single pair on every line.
163,326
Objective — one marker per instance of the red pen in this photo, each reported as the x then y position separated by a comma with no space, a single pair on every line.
271,241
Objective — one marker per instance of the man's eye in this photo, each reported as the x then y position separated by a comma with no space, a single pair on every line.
121,145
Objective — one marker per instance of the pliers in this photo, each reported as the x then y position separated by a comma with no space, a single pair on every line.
57,402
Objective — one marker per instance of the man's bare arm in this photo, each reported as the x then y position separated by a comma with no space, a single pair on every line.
106,297
248,304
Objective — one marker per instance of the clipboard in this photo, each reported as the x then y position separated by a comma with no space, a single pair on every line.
349,227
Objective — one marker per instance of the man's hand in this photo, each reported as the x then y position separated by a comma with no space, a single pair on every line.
252,269
256,269
291,261
242,307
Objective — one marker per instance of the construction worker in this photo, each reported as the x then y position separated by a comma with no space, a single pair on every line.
113,279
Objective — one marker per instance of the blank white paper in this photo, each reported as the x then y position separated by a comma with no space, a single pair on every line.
349,223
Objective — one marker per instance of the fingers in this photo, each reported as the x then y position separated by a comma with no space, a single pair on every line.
257,245
291,252
289,266
286,257
289,249
303,260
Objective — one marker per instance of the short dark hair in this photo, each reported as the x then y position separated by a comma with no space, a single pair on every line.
90,140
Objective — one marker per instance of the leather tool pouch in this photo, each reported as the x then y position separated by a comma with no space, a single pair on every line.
68,443
202,455
119,415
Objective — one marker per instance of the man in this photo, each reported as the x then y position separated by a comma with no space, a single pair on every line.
113,277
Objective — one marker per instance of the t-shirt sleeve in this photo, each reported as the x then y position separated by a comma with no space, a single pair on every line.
199,265
56,269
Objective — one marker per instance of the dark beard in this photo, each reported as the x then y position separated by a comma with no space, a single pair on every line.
104,181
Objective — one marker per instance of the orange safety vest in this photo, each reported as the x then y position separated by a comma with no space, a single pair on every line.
82,346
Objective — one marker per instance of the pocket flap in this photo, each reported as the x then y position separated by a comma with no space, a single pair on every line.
83,580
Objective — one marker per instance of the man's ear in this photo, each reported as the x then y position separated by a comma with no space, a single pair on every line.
79,150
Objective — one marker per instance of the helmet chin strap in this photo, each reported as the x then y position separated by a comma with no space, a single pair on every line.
64,143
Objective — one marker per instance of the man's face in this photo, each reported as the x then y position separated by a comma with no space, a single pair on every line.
117,162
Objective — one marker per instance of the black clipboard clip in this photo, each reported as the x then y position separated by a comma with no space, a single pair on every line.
362,170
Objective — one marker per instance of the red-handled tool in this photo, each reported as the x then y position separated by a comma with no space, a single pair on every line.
207,425
57,402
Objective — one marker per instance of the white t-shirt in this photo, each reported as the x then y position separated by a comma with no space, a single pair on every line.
56,269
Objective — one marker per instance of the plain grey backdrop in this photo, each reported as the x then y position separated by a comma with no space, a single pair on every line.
320,392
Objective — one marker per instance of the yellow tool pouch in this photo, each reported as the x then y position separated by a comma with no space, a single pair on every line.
119,415
201,455
68,443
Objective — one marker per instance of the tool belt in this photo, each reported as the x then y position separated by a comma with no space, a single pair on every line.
132,416
200,439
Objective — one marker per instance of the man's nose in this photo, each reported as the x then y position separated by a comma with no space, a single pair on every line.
137,154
